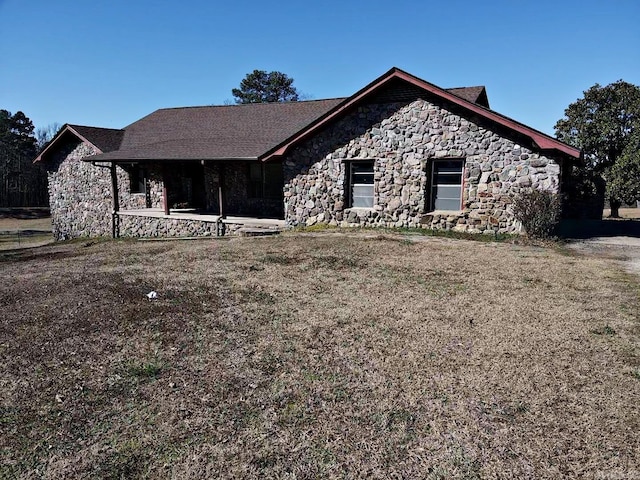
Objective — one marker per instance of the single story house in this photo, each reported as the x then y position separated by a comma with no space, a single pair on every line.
401,152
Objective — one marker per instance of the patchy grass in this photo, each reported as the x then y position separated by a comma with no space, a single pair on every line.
412,232
324,355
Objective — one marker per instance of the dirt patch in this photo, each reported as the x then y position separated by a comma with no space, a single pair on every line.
625,250
317,356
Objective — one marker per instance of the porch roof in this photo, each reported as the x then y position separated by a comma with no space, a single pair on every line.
215,132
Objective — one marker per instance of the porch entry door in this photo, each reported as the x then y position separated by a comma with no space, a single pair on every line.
186,186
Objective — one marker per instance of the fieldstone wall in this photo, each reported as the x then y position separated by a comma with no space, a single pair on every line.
80,193
402,139
136,226
161,227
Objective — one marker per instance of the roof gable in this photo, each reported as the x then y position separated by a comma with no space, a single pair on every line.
472,94
380,89
102,139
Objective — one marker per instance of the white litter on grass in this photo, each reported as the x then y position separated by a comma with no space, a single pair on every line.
152,295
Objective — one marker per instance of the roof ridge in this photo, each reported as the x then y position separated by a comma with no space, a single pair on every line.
471,86
73,125
297,102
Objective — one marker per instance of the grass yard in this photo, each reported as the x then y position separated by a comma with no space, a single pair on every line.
306,356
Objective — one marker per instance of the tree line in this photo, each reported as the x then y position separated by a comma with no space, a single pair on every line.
22,184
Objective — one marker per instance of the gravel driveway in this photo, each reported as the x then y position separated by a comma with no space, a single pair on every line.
621,248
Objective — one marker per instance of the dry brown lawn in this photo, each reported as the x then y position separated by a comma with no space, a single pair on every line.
317,356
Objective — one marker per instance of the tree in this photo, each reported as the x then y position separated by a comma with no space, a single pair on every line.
602,124
623,178
45,134
16,133
21,182
261,87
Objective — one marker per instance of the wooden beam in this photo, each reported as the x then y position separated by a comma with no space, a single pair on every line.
165,190
116,201
221,191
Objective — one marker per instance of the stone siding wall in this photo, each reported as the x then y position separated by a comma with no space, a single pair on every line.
80,193
133,226
402,139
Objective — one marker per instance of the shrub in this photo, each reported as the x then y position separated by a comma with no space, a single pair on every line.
538,211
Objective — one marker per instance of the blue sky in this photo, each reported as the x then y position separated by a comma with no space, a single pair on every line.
108,63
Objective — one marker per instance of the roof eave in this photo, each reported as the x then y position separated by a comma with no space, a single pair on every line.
65,128
543,141
106,158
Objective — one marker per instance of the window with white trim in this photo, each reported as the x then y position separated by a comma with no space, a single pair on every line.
361,184
446,184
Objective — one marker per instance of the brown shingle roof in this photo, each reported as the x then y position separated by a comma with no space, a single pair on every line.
224,132
472,94
216,132
104,139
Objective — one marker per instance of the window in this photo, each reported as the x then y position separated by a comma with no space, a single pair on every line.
265,180
446,184
137,179
361,184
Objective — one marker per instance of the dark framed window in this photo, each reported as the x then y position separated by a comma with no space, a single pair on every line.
446,184
360,184
265,180
137,179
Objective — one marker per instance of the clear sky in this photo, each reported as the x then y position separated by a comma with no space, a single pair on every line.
110,62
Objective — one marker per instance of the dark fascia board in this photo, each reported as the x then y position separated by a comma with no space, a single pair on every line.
539,139
122,156
66,128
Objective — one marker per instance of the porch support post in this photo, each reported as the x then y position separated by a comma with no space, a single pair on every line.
165,190
115,231
221,191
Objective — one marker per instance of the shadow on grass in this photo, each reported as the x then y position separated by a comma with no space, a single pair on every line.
600,228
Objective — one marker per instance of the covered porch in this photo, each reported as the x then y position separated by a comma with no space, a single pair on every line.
196,198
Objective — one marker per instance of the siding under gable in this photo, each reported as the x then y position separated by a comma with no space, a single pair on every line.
402,138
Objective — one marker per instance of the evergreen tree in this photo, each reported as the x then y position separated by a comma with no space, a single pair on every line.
261,87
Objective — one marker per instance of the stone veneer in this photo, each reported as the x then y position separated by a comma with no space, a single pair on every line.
139,226
80,193
402,139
